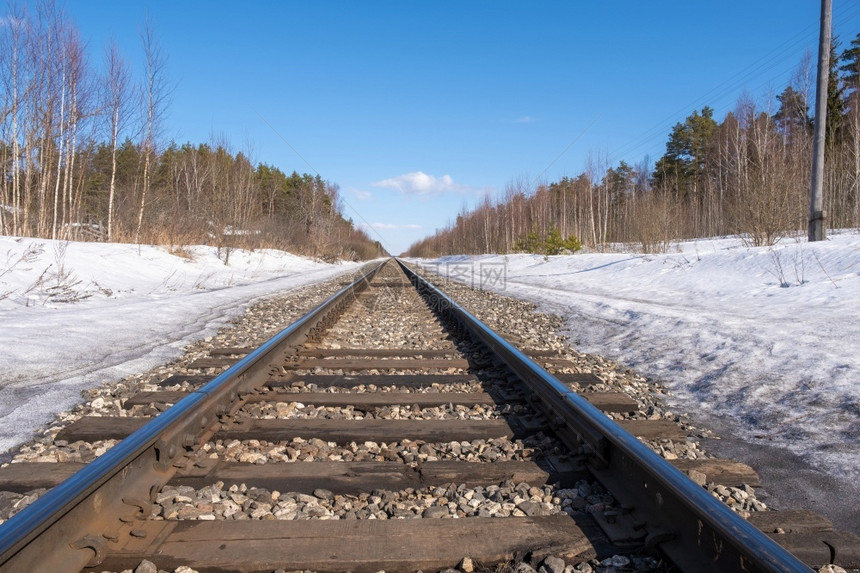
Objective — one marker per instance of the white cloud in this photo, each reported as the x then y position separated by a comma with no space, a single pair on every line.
424,185
525,119
360,194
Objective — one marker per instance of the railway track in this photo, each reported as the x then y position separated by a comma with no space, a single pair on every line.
389,429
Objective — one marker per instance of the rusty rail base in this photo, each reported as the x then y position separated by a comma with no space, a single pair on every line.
104,505
694,529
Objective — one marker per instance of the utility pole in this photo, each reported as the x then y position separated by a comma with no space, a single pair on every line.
817,231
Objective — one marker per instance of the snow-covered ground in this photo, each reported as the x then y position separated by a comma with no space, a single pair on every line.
765,341
75,315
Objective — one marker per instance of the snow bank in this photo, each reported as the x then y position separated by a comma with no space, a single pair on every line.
765,339
76,315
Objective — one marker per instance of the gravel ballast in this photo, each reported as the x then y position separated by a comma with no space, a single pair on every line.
511,318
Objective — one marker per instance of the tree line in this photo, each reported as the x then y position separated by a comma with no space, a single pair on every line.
748,174
82,157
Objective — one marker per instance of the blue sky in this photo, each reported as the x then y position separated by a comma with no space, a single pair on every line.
418,109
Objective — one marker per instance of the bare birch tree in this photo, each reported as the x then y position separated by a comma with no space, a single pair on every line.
155,98
117,87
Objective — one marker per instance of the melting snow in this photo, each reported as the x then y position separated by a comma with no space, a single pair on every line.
766,339
76,315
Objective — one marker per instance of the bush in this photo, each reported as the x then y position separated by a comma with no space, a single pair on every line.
573,244
531,243
553,244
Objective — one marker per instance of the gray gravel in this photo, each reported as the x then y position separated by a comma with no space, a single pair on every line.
407,451
512,318
298,410
240,502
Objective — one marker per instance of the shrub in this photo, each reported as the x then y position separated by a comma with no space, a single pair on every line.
553,244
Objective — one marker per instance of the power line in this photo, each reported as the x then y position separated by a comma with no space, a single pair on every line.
768,62
569,145
311,167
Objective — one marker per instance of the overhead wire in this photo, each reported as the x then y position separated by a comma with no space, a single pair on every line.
311,167
569,145
730,84
781,54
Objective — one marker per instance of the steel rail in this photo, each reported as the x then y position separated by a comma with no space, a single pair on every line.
697,531
77,516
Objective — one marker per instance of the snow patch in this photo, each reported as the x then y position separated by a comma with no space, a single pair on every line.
76,315
766,339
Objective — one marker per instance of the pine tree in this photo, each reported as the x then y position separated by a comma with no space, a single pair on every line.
835,101
850,67
793,111
686,150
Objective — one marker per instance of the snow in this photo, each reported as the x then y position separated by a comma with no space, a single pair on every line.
76,315
764,341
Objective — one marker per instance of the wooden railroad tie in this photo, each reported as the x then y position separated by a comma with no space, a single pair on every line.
94,428
357,545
